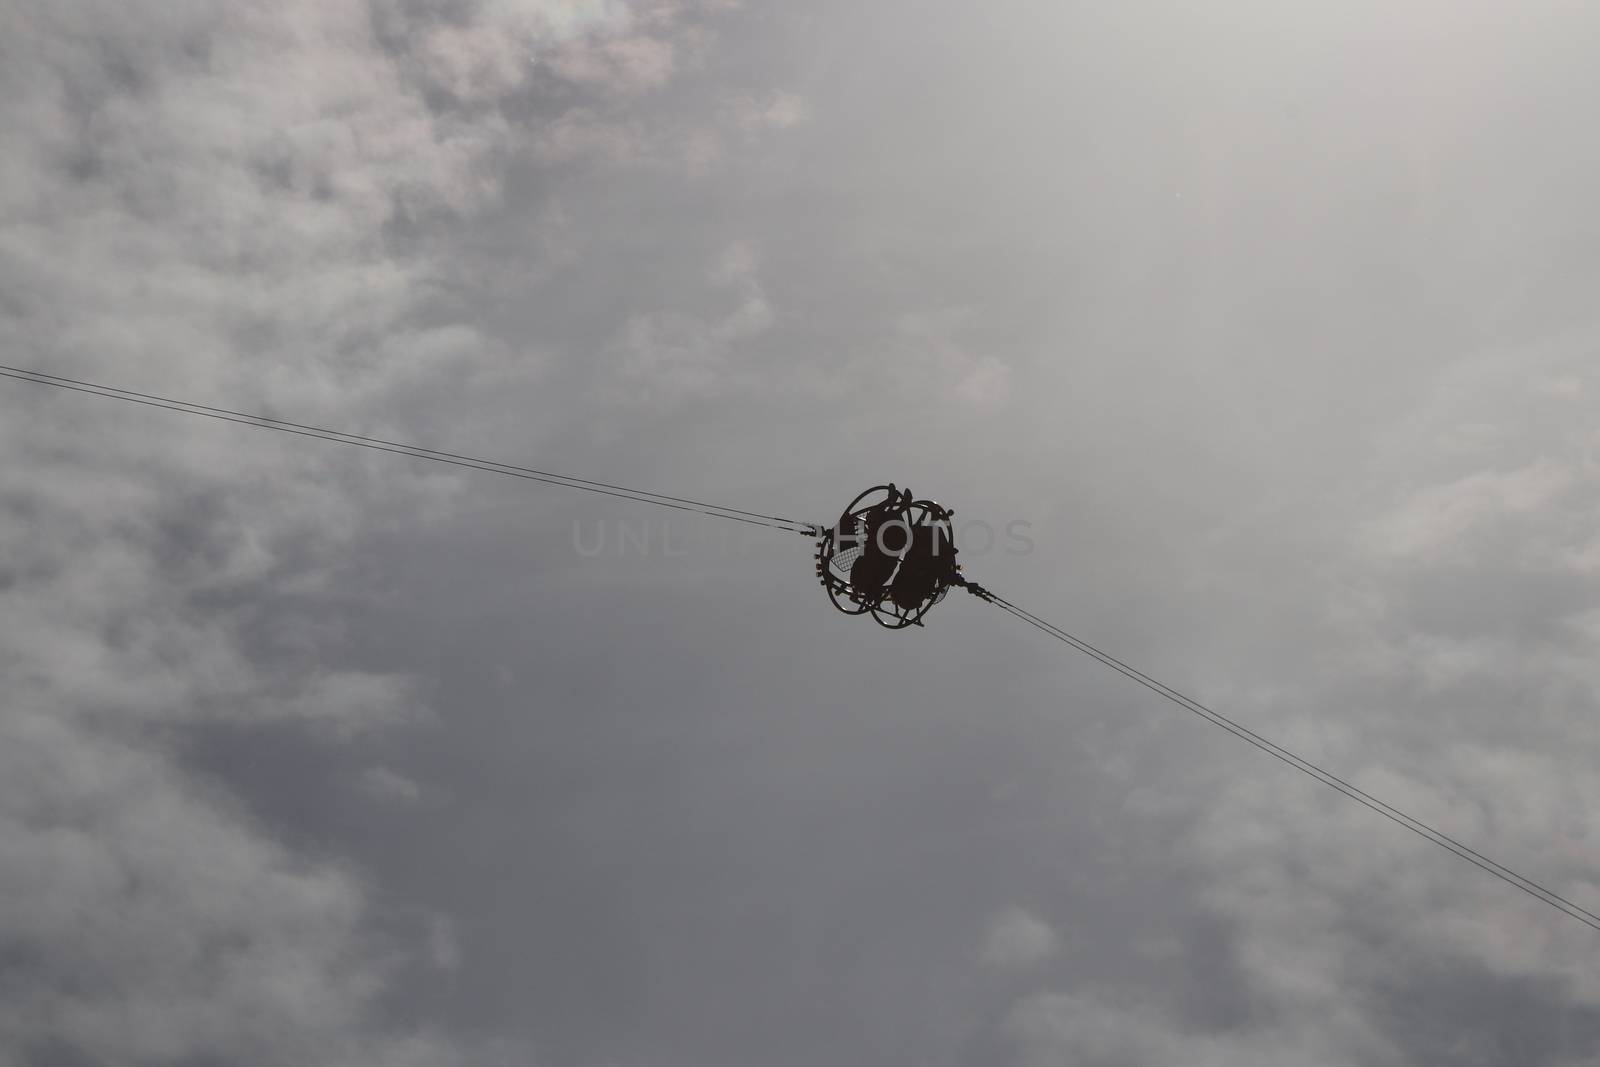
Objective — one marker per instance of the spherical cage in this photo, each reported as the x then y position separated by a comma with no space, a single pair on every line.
886,520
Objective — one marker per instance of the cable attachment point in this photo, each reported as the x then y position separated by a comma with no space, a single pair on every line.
974,588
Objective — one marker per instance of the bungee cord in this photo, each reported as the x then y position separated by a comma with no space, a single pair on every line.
378,444
1333,781
854,527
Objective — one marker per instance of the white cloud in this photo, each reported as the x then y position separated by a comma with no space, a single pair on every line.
1017,940
669,357
985,385
1096,1029
1437,524
931,358
628,65
1454,677
389,787
444,947
778,110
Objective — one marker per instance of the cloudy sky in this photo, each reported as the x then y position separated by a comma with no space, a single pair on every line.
1275,321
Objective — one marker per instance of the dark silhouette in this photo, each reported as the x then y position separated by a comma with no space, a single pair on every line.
890,555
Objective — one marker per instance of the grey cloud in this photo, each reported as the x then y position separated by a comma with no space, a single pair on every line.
1272,321
201,200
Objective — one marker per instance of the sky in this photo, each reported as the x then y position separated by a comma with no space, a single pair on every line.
1272,323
